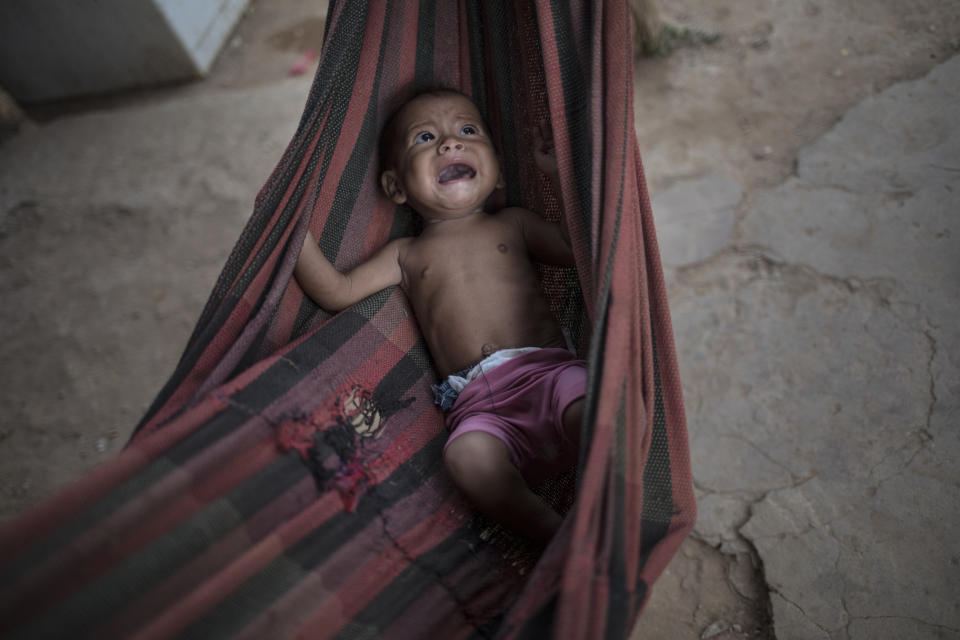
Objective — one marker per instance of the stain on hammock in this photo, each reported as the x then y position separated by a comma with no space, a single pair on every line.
332,440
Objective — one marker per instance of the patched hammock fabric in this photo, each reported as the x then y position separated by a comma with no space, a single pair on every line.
288,479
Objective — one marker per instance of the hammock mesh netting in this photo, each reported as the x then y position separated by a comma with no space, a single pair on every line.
288,479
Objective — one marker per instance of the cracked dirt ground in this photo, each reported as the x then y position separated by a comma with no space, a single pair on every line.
805,171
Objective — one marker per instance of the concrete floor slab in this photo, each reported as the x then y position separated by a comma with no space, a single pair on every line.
113,228
821,354
709,204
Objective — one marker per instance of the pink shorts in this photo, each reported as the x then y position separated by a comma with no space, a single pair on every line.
521,403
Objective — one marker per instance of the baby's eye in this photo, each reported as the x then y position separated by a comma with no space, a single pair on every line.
423,136
469,130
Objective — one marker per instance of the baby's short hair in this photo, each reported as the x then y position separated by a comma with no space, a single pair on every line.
390,137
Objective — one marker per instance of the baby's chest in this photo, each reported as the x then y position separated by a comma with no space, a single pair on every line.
477,256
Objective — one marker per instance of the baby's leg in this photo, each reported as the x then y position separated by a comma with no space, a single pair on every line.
572,416
480,466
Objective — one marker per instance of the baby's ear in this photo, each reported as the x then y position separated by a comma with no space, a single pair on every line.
392,187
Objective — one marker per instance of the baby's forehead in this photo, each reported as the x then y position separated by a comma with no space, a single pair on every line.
428,106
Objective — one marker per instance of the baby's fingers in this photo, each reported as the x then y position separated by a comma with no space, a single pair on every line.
543,136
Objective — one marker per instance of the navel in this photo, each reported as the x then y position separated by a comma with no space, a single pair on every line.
502,248
423,274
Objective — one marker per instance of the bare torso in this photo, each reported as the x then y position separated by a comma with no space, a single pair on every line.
474,290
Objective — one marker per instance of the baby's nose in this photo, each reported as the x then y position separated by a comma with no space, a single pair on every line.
450,143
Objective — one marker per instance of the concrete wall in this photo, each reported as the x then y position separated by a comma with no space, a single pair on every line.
53,49
202,25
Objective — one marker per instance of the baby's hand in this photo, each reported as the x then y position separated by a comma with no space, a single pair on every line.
543,150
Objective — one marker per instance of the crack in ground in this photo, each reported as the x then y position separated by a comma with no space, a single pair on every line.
800,609
748,495
879,289
813,527
762,262
752,497
911,619
763,587
933,390
924,434
850,620
925,438
768,589
739,436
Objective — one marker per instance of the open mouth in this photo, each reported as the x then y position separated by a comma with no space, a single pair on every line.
456,171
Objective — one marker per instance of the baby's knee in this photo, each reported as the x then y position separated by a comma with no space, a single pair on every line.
475,455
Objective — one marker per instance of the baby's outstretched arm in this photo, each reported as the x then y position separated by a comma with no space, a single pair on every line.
333,290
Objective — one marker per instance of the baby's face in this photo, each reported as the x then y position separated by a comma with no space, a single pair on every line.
445,166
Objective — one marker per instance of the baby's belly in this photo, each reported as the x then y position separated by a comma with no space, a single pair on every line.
462,335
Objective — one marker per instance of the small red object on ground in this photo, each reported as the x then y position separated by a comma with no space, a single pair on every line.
303,63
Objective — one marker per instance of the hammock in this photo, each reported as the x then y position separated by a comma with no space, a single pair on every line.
287,480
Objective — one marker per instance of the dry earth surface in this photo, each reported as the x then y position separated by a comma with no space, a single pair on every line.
721,127
118,212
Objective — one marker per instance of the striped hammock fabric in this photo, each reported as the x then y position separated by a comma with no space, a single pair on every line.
288,481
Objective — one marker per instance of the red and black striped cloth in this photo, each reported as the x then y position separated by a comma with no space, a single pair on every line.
287,481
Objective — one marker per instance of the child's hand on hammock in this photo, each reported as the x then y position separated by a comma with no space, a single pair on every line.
544,153
334,291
